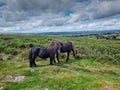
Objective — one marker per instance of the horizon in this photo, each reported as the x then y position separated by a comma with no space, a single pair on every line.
64,33
23,16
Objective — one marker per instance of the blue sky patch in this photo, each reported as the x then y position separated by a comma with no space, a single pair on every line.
68,12
2,4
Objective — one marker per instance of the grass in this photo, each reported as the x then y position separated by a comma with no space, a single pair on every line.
96,69
76,75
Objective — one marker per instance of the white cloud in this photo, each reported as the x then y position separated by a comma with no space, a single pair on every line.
37,26
49,15
73,18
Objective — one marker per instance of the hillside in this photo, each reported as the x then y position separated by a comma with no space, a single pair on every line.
97,66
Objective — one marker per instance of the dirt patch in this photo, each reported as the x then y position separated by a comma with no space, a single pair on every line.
108,87
6,57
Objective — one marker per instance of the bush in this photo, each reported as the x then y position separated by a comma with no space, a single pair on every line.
1,49
11,51
22,46
106,58
11,44
117,58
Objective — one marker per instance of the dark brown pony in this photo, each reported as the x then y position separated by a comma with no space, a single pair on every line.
65,47
43,52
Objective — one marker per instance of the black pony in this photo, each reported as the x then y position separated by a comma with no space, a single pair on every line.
65,47
43,52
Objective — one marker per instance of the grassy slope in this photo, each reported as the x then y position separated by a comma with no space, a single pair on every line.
77,74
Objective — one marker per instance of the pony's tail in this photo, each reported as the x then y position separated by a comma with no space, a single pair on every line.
30,58
73,50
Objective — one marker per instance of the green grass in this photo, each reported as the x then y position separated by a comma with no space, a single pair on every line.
75,75
98,67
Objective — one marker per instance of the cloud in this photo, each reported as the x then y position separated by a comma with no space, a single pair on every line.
74,18
104,8
58,15
35,26
20,9
97,9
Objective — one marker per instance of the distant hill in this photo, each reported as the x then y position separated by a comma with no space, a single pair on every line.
74,33
77,32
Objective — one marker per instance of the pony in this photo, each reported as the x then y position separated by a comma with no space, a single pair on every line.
65,47
43,52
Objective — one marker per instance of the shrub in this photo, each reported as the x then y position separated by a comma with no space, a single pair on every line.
106,58
22,46
11,51
117,58
1,49
13,44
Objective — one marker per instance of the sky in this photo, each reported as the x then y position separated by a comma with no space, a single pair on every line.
35,16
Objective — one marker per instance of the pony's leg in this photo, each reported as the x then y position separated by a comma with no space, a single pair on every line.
32,61
67,56
51,59
54,61
31,64
57,56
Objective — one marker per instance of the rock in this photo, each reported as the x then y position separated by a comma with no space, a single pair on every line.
1,88
46,89
9,78
14,79
19,78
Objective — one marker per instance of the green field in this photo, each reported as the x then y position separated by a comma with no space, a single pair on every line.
97,66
